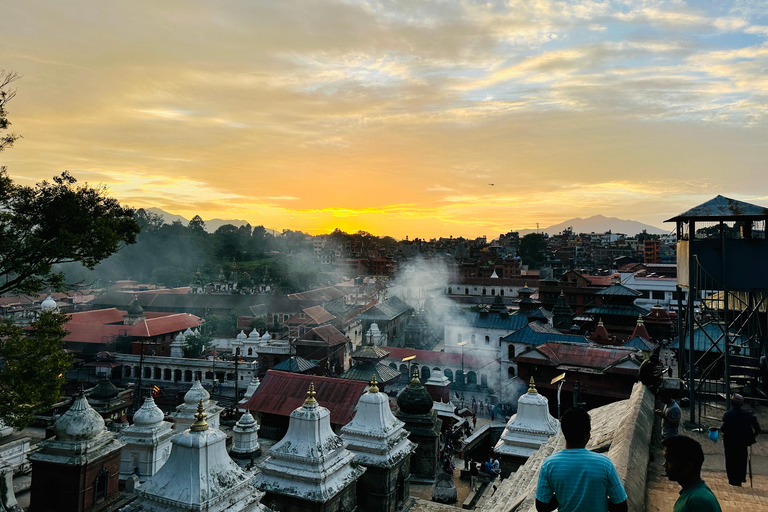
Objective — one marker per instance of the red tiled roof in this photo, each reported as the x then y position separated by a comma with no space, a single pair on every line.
599,280
431,358
319,294
325,333
281,392
103,325
316,315
579,355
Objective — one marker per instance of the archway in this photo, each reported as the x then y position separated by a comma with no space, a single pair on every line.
471,378
424,373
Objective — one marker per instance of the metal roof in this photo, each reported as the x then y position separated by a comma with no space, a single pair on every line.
295,364
364,370
722,207
640,343
619,290
617,310
704,336
537,333
387,310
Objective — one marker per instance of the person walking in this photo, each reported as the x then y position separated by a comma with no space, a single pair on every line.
683,458
473,472
576,479
739,430
670,415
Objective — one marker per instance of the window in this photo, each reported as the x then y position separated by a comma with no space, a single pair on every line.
510,351
484,293
510,372
487,340
473,340
493,291
466,291
657,295
501,292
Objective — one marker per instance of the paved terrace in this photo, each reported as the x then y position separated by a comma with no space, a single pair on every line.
624,431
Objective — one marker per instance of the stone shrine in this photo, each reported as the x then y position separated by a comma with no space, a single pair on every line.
198,476
310,468
184,415
415,409
77,469
147,442
526,431
246,437
379,443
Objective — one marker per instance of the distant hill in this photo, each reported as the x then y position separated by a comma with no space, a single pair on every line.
600,224
210,225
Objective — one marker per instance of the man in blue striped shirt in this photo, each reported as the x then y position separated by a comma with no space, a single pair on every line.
576,479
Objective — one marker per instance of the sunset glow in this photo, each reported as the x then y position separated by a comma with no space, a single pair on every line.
419,118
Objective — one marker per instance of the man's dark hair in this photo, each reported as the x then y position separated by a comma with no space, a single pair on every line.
684,449
574,424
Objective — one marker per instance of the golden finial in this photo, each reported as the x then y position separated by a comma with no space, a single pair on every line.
311,395
532,387
415,379
200,424
374,388
639,319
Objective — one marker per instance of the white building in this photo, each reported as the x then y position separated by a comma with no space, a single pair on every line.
186,412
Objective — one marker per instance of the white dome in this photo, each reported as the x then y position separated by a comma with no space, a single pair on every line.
196,393
254,335
241,336
48,304
188,332
246,420
266,336
79,422
180,337
149,414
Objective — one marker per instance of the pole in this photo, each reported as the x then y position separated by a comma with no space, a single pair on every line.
237,358
559,388
692,289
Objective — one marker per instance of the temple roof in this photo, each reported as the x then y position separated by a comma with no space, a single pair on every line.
363,371
721,207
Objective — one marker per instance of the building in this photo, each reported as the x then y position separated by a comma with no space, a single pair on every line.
147,442
199,475
186,412
77,469
415,410
310,469
526,431
380,444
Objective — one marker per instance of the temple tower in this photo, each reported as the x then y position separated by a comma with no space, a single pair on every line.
199,475
184,415
310,469
77,469
379,443
526,431
147,442
415,409
246,437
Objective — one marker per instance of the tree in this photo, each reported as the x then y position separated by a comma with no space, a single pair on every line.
33,366
56,222
197,344
532,247
6,95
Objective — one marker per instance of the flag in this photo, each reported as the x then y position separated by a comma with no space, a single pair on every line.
155,390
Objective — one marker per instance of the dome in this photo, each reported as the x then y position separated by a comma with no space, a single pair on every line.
246,420
135,308
241,336
188,332
79,422
266,336
180,337
196,393
148,415
104,390
415,399
48,304
254,335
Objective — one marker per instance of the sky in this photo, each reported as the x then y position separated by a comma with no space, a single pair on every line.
401,118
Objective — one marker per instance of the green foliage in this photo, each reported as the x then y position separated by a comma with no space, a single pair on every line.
34,363
197,345
56,222
221,324
6,95
532,249
259,323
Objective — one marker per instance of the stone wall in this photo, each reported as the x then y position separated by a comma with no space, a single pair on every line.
622,428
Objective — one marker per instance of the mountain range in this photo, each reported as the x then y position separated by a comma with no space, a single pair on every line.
210,225
600,224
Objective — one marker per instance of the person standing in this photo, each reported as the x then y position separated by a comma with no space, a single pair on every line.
576,479
473,472
670,415
739,428
683,458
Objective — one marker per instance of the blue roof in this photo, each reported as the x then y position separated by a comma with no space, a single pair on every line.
537,333
618,310
641,343
705,335
494,321
619,290
295,364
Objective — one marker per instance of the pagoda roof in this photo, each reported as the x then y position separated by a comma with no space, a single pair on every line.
704,336
295,364
640,343
387,310
721,207
617,310
619,290
370,352
364,370
536,333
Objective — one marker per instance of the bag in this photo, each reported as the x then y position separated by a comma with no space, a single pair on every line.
714,434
